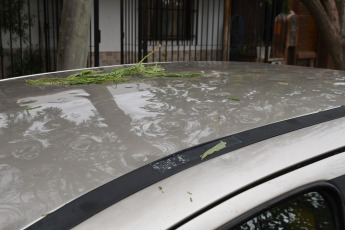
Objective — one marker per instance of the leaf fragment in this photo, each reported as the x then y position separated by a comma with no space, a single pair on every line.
233,99
190,198
283,83
219,146
189,193
36,107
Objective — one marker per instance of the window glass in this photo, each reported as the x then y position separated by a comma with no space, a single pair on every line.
308,212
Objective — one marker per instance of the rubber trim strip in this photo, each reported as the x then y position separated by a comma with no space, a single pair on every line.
112,192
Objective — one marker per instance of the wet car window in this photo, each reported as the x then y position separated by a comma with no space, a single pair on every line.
307,211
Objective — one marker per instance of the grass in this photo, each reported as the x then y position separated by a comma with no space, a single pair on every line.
117,75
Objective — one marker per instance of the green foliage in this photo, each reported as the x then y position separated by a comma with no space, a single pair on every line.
14,20
117,75
233,99
36,107
24,63
219,146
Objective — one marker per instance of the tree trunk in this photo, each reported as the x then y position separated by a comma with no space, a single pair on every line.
342,27
329,31
74,34
332,12
226,30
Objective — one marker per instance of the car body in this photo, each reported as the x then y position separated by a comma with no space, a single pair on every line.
203,152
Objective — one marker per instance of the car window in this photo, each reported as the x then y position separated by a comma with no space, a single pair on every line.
307,211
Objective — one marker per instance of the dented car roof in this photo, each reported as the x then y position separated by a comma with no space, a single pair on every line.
60,142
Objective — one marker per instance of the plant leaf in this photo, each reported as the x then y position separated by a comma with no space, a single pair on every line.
233,99
117,75
283,83
219,146
33,108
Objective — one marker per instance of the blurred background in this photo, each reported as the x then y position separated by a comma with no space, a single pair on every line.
111,32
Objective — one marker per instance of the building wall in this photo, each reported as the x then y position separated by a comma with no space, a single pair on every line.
110,25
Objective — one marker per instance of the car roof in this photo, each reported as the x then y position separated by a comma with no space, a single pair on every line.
60,142
199,189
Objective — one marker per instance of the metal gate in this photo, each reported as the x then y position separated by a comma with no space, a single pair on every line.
29,34
187,30
197,30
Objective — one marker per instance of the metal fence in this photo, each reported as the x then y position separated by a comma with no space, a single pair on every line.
187,30
254,33
29,34
197,30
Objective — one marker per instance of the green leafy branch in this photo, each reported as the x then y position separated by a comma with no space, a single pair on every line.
117,75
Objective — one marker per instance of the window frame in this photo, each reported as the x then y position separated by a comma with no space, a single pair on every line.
331,194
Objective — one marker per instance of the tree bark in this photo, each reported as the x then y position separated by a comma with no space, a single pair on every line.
226,30
332,12
74,34
342,26
328,30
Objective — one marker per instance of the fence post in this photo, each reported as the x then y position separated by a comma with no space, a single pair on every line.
122,32
267,28
97,32
1,52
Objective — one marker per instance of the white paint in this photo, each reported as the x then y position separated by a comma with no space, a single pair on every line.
110,25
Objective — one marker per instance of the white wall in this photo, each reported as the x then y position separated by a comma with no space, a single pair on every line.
110,25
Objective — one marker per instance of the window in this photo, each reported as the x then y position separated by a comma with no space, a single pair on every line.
170,19
309,211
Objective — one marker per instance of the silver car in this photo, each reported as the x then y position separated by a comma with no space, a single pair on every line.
245,146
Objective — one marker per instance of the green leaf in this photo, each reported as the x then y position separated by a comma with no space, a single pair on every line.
283,83
233,99
33,108
216,148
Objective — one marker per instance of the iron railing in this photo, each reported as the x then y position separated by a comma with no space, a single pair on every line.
187,30
208,34
29,35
